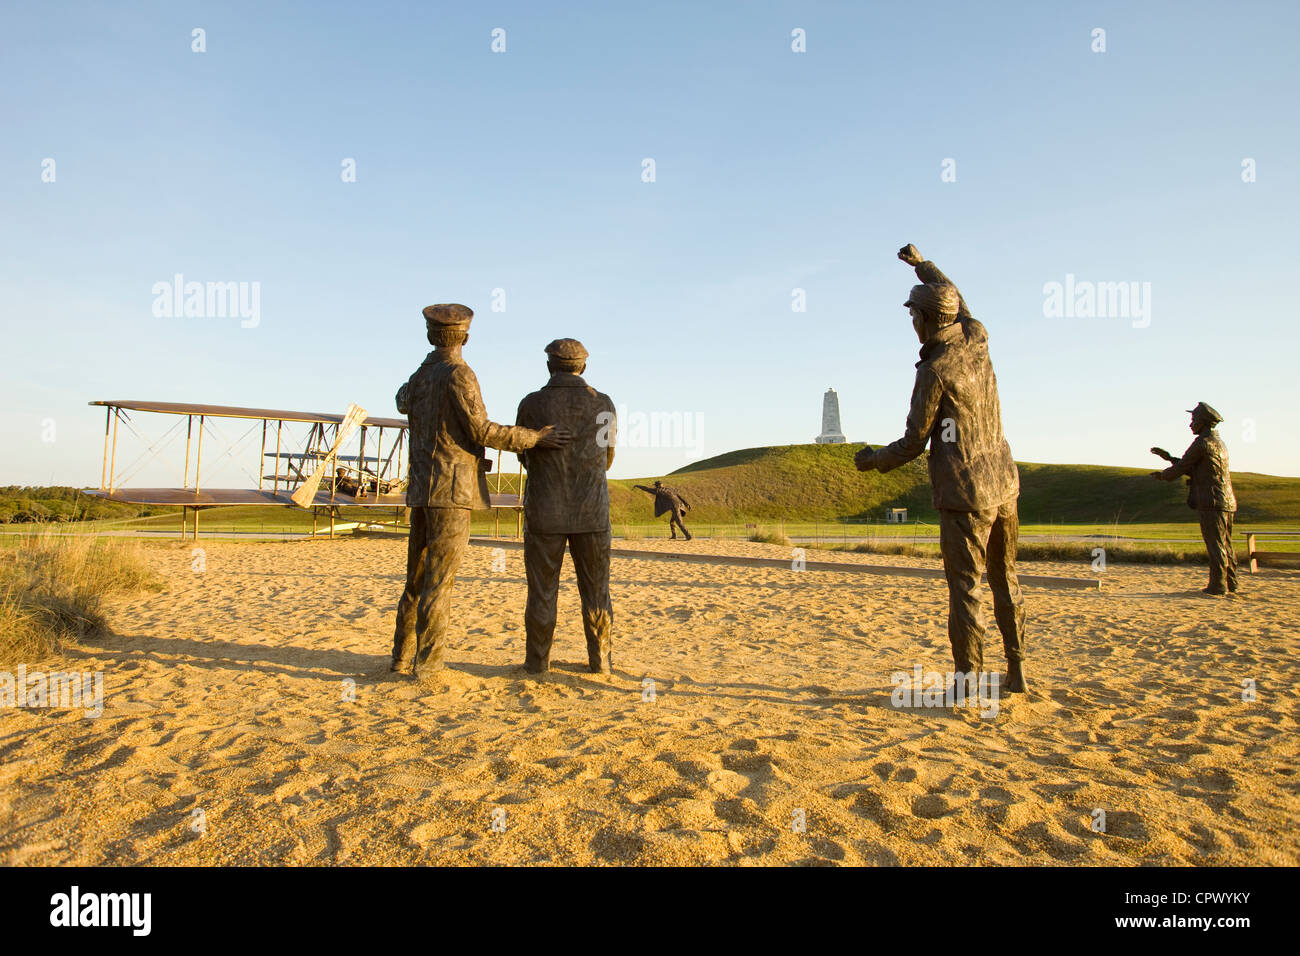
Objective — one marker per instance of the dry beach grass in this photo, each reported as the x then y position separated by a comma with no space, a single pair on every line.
226,693
52,589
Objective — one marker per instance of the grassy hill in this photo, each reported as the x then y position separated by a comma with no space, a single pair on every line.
819,482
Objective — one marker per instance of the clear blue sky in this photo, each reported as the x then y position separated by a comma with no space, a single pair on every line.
774,170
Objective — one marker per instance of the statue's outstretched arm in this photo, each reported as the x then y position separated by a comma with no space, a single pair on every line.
468,403
1183,466
921,419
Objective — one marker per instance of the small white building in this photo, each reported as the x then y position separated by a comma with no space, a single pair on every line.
895,516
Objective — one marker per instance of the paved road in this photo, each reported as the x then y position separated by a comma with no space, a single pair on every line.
794,539
934,539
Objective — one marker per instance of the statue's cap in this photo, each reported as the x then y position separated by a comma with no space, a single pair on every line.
934,298
1207,412
448,316
569,350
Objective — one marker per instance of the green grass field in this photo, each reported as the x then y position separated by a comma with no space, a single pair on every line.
802,483
813,494
249,520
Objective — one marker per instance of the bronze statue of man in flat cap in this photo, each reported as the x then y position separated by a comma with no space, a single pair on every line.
974,479
672,501
566,498
1209,493
449,428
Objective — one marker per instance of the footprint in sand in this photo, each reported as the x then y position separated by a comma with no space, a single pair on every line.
727,782
931,806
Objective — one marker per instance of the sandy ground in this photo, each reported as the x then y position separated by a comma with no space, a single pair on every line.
227,736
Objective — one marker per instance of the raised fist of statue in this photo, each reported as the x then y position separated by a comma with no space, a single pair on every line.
863,459
911,255
1161,453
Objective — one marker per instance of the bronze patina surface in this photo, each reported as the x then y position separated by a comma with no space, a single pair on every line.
449,430
1209,493
955,410
566,500
670,501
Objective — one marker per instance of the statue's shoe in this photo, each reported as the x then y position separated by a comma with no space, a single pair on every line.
1013,681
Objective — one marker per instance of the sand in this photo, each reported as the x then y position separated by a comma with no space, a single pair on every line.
227,736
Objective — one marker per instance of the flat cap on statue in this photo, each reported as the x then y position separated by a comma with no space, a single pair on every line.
448,316
935,298
1206,411
570,350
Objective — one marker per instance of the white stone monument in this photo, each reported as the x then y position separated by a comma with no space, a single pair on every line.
831,434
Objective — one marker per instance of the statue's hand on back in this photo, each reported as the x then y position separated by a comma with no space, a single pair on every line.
553,436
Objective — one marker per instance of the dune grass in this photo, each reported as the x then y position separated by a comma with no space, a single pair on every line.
764,536
52,589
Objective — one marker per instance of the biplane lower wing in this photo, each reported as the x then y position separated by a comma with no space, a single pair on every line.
228,497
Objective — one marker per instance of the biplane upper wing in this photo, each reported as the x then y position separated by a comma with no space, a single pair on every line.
264,414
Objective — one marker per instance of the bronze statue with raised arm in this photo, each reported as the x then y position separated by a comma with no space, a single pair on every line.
955,410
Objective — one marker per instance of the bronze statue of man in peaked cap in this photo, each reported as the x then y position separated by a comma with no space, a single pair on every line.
566,500
1209,493
974,479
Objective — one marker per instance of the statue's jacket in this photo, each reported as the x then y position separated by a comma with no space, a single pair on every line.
1205,463
566,491
449,430
955,409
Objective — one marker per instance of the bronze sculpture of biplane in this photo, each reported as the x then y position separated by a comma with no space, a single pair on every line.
372,477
